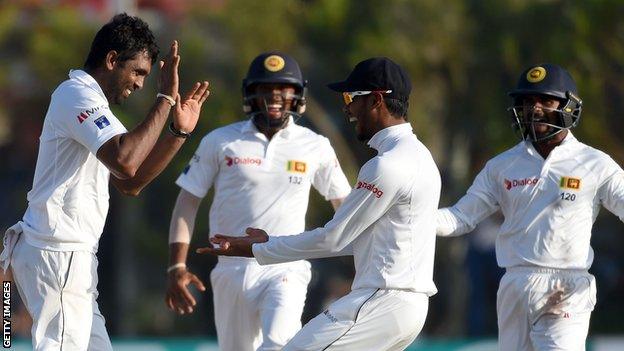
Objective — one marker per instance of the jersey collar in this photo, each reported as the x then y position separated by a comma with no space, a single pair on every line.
378,141
285,133
86,79
566,144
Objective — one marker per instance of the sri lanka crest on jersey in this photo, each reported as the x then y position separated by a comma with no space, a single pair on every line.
570,183
296,166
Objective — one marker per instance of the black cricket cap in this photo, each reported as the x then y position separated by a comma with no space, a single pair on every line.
377,73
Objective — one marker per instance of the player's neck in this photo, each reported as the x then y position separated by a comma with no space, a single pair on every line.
545,147
100,78
268,131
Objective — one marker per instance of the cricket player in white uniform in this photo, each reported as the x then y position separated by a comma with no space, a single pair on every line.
261,170
52,250
549,188
386,222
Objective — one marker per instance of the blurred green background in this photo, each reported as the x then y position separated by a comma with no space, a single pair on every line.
463,56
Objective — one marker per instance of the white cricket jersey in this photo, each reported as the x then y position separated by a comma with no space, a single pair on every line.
261,183
549,205
68,203
388,218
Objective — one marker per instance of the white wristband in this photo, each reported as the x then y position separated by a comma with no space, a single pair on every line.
175,266
169,98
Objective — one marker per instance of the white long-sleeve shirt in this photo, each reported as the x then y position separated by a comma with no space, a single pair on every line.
549,205
388,218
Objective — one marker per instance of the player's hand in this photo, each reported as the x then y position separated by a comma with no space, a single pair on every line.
186,111
235,245
179,299
168,81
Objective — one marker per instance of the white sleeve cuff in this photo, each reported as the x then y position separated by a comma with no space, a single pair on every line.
259,251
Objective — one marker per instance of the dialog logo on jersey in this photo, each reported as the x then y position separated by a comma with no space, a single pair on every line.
510,184
570,183
232,161
296,166
370,187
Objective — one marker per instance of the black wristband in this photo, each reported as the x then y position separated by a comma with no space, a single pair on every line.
178,133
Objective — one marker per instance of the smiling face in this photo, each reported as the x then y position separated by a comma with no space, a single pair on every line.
274,99
540,111
124,77
273,103
361,111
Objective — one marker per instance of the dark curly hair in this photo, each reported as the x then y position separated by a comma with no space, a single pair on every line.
125,34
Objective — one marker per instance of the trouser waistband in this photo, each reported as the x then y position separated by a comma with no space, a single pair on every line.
528,269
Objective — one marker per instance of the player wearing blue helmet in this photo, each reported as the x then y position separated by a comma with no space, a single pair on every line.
549,188
261,170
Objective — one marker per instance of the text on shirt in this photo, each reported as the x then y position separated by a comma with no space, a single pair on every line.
370,187
88,112
231,161
509,184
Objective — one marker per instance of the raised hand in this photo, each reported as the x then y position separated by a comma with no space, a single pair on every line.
179,299
235,245
187,110
168,81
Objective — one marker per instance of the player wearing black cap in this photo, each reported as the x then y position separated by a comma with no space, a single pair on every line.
261,170
385,222
549,188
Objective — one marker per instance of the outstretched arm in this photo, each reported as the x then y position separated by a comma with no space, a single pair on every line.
235,245
479,202
463,217
611,193
178,297
359,211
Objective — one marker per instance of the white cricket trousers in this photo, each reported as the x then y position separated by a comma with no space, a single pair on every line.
543,309
258,307
365,319
59,289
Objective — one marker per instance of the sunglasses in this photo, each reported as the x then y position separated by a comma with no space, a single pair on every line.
348,96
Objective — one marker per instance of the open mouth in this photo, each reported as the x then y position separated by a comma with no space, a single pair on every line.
275,109
127,92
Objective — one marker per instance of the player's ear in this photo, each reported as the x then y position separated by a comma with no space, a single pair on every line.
376,100
111,60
